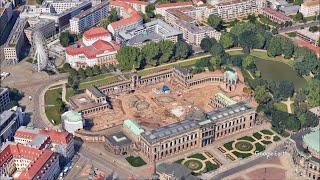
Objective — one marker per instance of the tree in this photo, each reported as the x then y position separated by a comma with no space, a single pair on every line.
150,10
287,47
262,95
104,23
166,50
313,29
206,43
215,21
128,57
150,53
274,47
89,72
217,49
113,15
227,40
252,18
215,62
64,38
312,92
247,62
182,50
247,39
96,70
298,2
298,17
39,1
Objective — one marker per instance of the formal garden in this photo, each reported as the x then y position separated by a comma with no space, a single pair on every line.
248,145
135,161
200,163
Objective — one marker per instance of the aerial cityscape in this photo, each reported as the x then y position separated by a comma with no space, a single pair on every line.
160,89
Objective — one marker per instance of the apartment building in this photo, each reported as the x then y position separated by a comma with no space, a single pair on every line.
4,98
155,30
130,17
57,141
137,5
275,16
185,20
89,18
96,49
234,9
161,8
15,43
25,162
10,121
310,8
189,134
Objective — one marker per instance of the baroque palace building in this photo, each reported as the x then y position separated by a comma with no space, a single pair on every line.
189,134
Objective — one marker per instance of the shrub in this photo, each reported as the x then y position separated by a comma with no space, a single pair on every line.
228,145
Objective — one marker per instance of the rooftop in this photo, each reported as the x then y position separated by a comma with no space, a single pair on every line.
173,5
228,100
95,32
311,3
277,14
231,2
312,35
169,130
312,139
96,92
72,116
91,10
178,171
119,139
133,126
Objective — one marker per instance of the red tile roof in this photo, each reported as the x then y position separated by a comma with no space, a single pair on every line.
173,4
97,48
39,158
95,33
136,2
133,18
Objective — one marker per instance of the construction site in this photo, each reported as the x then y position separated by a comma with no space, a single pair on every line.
163,103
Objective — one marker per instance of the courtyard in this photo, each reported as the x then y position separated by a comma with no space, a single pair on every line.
248,145
200,163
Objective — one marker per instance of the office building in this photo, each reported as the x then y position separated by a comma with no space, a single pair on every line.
89,18
310,8
25,162
155,30
58,141
130,18
4,98
10,121
13,48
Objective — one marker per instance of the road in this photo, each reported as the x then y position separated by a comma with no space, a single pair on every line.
298,26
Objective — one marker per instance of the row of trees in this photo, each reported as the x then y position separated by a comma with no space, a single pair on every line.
67,39
113,17
152,54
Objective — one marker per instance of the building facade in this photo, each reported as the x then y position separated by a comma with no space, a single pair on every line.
13,48
72,121
220,100
161,8
182,136
96,49
32,163
58,141
5,15
4,99
304,148
310,8
44,26
10,121
130,17
275,16
89,18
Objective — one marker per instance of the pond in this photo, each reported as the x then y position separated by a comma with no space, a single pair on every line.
279,71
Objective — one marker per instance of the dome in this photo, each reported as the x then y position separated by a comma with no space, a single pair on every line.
230,75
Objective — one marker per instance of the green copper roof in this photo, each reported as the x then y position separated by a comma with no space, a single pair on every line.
312,139
231,75
72,116
226,99
133,126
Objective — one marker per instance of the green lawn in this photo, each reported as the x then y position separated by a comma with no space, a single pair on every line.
135,161
210,166
257,135
259,147
266,142
281,107
97,77
276,138
264,55
241,155
69,93
228,145
52,109
291,34
247,138
198,156
267,132
98,82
